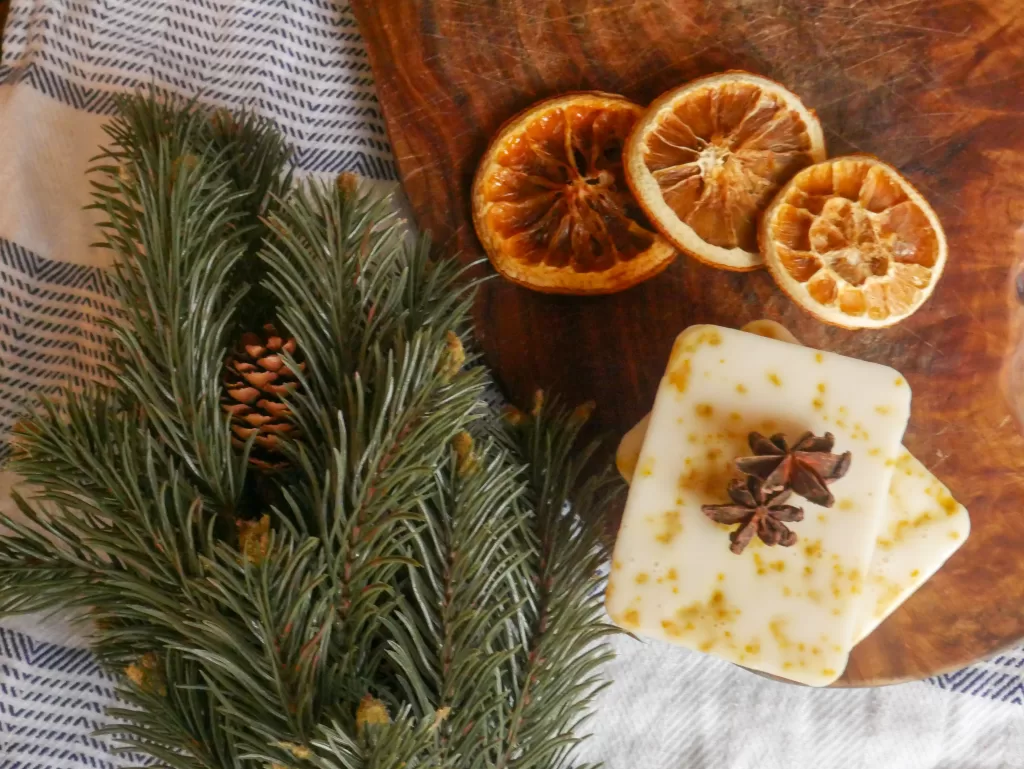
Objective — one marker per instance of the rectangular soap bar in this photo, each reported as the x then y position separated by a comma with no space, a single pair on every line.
790,611
922,527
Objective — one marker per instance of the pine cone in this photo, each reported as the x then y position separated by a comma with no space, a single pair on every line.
255,378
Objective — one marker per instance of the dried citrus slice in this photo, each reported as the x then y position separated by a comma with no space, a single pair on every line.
853,243
707,158
550,203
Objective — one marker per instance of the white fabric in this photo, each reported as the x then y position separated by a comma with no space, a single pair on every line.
670,708
302,63
43,171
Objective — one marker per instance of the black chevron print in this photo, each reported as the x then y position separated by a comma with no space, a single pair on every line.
301,62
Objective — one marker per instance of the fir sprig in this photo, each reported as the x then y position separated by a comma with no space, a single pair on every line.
403,595
555,673
450,642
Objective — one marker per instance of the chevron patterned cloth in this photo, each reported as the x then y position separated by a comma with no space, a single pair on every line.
302,63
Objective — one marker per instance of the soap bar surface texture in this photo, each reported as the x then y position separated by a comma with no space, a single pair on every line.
788,611
921,528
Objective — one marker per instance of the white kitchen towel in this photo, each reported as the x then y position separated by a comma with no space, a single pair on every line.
302,63
670,708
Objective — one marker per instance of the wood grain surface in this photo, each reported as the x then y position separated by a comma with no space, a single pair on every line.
935,87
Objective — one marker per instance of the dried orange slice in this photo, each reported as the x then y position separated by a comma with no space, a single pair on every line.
550,203
707,158
853,243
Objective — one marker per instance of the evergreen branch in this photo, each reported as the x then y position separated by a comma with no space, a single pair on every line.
405,743
457,602
33,577
258,161
64,447
122,494
341,277
177,249
346,279
250,613
177,724
378,402
184,196
333,249
255,157
555,675
262,641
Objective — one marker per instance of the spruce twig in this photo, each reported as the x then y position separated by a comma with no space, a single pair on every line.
555,674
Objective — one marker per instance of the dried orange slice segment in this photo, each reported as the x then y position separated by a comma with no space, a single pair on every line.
551,206
853,243
707,158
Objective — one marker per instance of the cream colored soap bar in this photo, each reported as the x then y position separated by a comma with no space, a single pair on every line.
791,611
921,528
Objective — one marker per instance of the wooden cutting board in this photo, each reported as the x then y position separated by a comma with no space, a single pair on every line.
935,87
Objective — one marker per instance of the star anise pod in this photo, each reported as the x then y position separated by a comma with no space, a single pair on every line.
758,512
807,468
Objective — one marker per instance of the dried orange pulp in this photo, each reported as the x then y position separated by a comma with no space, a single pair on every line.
853,243
708,157
551,206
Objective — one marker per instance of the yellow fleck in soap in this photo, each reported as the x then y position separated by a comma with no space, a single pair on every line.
671,526
720,592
